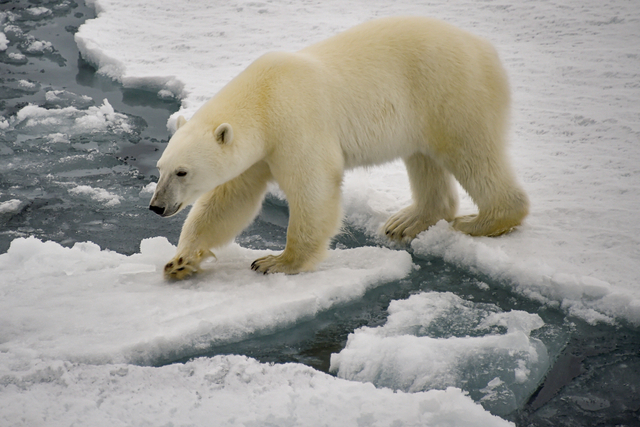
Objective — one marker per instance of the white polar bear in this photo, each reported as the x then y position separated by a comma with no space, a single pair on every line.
404,87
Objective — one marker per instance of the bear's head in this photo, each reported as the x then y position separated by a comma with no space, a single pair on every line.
199,157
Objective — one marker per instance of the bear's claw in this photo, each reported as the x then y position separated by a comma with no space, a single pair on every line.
405,225
274,264
256,267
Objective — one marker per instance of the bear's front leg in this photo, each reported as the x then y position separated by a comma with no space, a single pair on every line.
216,218
314,218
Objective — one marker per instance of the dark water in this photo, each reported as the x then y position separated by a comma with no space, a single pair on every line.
41,173
594,377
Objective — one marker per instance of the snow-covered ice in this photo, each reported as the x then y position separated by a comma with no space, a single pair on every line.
587,297
221,391
90,305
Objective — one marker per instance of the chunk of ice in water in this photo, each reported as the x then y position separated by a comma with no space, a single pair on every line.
148,189
64,98
36,13
97,194
10,206
437,340
4,42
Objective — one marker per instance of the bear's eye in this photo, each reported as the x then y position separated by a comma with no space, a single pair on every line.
181,173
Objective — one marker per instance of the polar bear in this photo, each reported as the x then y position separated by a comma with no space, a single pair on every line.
403,87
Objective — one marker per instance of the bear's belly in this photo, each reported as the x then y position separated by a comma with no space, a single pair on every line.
359,152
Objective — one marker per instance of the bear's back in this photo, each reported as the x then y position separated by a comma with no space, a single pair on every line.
392,80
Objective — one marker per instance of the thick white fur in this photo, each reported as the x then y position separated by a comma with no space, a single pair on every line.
405,87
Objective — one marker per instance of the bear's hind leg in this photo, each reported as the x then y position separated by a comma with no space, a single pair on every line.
502,203
434,198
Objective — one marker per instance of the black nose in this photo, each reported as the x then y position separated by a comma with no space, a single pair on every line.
157,209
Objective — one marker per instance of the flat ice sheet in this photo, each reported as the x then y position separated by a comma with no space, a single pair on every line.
96,306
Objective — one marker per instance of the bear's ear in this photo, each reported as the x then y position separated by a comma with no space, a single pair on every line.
180,122
224,134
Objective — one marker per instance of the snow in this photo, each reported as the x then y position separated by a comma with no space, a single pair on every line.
77,322
587,297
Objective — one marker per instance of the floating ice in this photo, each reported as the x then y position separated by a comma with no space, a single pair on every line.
83,304
13,32
36,13
25,84
4,42
166,94
16,58
578,249
92,305
59,138
438,340
97,194
38,47
63,98
10,206
223,391
70,119
148,189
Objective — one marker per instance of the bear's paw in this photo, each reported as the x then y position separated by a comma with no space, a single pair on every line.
183,266
405,225
275,264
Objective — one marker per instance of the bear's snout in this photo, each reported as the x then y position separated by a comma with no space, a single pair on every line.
166,211
157,209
